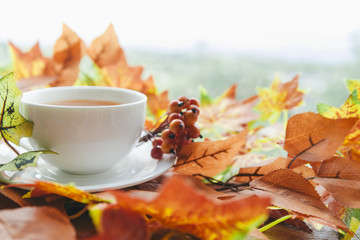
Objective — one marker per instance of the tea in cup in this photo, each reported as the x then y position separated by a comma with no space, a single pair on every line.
91,128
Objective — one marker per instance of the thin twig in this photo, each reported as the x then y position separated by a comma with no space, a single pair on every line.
225,186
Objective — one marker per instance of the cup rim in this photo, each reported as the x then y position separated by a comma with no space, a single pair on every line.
25,96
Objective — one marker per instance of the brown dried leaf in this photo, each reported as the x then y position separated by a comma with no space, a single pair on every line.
346,192
209,158
260,171
40,223
341,178
68,51
291,191
299,224
313,137
339,167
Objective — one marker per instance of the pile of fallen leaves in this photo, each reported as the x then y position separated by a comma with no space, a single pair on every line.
250,172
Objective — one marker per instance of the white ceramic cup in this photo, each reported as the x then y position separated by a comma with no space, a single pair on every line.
89,139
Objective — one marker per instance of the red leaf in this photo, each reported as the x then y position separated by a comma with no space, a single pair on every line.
121,224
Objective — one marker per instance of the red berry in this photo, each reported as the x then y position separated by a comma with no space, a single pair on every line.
190,117
194,101
174,116
167,148
194,109
193,131
177,126
168,136
185,100
156,152
175,106
157,141
181,139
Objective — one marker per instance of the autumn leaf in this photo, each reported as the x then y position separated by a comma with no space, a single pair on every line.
195,213
114,71
339,167
313,137
68,51
340,177
12,125
41,223
172,234
291,191
119,223
226,114
31,63
247,174
350,109
346,192
27,159
277,98
352,84
210,157
106,52
44,188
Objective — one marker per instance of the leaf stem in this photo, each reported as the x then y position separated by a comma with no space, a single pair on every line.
272,224
78,214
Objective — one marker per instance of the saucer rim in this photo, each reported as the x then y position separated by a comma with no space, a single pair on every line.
162,166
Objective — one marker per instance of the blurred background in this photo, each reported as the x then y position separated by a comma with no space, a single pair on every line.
188,43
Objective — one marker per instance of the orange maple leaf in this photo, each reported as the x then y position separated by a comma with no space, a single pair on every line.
68,51
31,63
279,97
210,157
182,205
350,109
313,137
107,54
226,114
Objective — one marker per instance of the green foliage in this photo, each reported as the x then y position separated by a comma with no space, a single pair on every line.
351,219
27,159
12,125
205,98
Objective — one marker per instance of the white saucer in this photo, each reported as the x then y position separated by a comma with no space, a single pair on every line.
138,167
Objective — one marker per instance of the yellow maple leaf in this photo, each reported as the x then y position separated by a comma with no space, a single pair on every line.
277,98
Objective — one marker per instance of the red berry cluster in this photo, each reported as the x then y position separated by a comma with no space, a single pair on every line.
182,116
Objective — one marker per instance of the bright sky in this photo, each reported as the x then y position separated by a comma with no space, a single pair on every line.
297,29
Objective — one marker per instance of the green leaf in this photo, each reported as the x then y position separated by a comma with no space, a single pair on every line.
27,159
12,125
352,219
205,98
